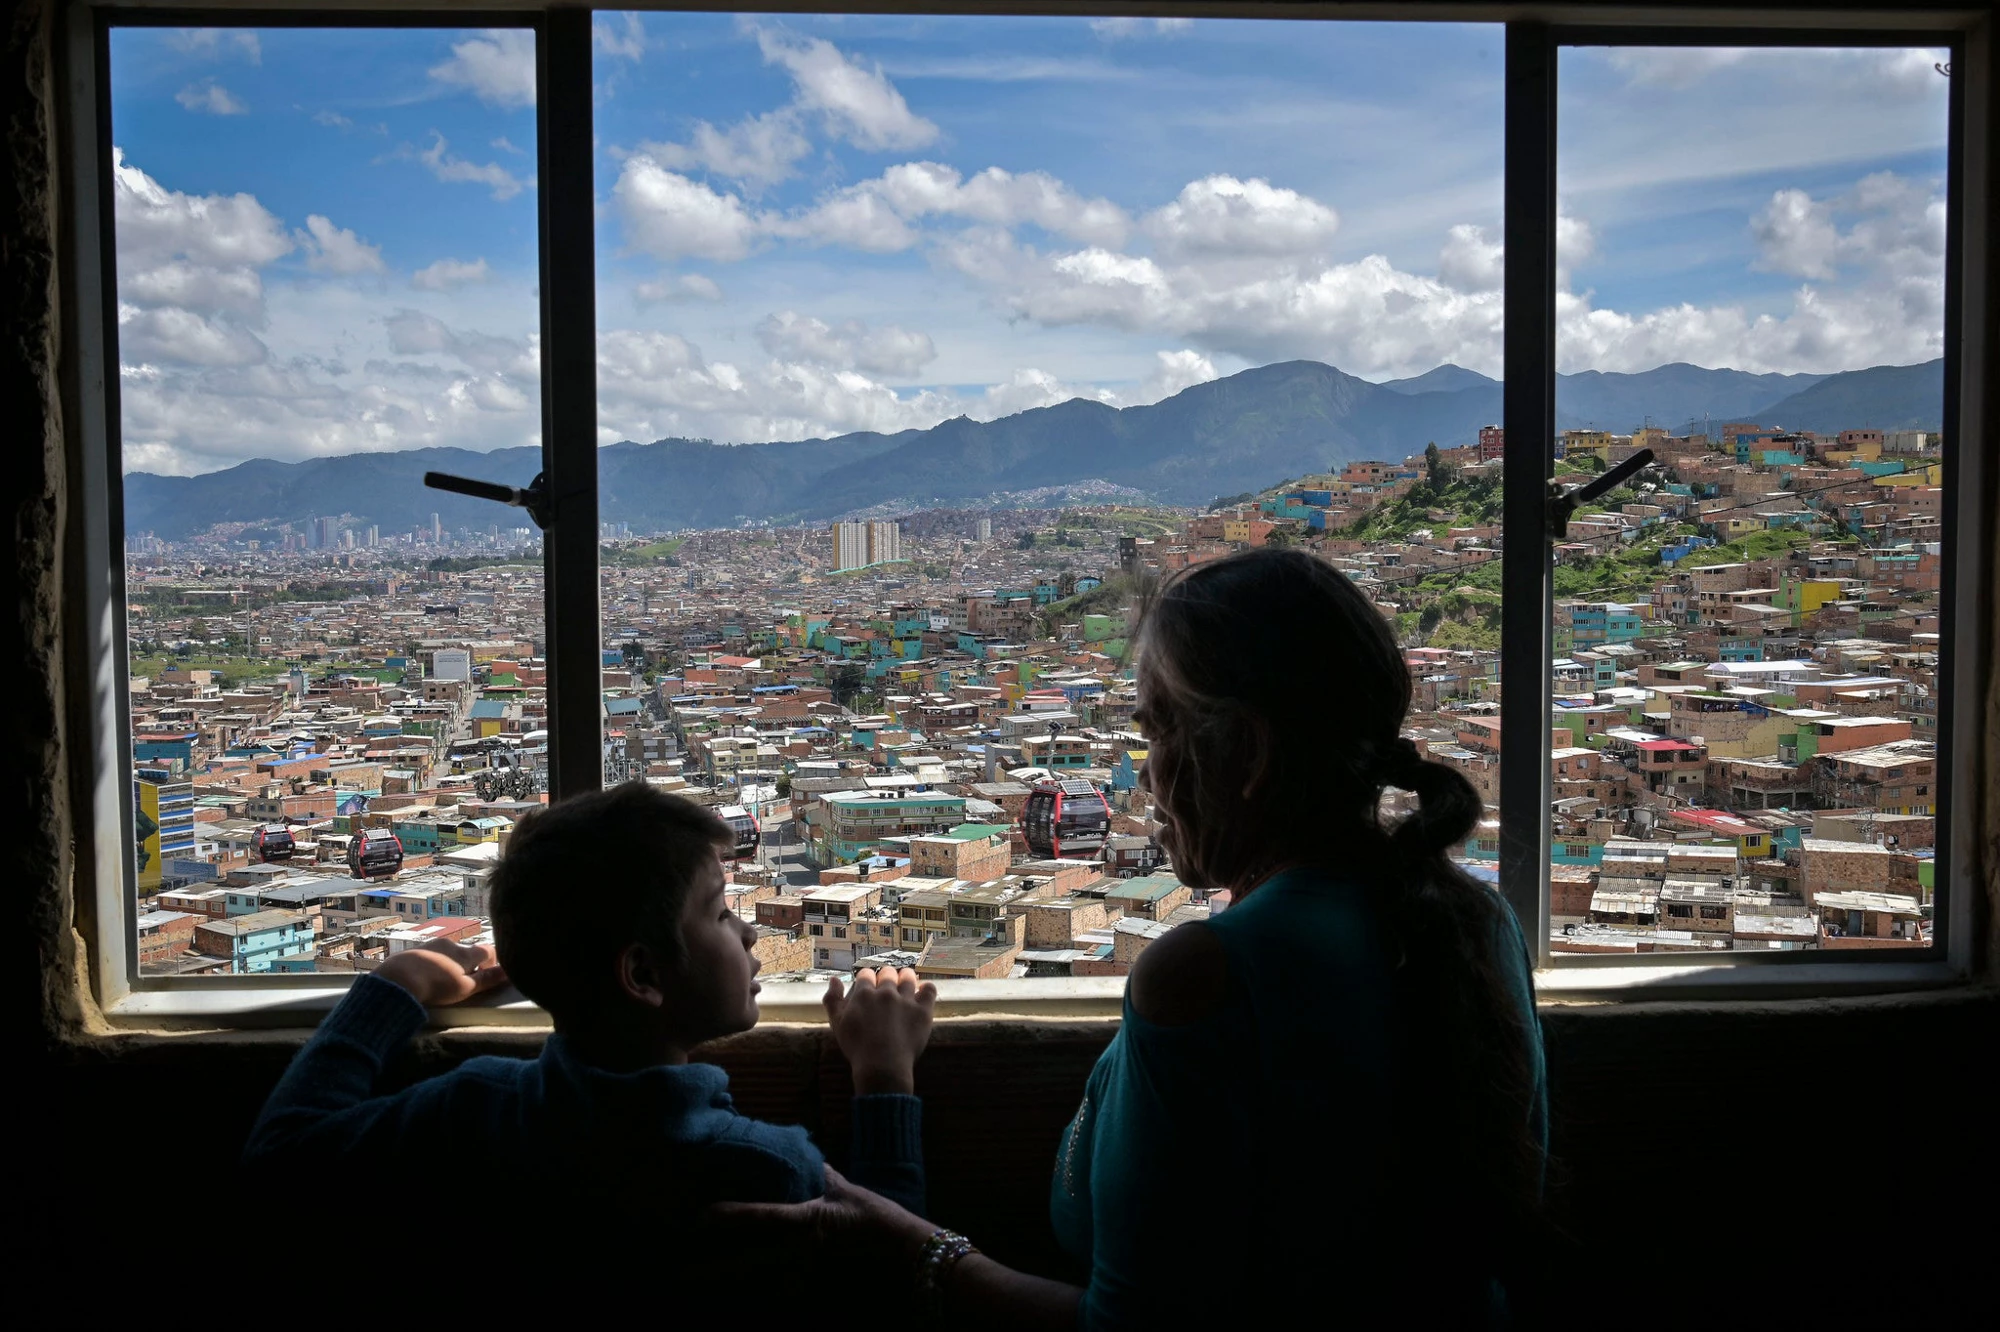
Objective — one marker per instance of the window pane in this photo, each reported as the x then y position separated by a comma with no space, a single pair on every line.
906,388
1747,670
327,269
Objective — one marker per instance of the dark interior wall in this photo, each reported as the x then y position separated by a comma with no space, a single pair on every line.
1805,1160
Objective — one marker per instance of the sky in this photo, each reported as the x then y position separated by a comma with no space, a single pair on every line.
327,239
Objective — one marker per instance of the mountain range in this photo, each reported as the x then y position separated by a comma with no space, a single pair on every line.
1243,432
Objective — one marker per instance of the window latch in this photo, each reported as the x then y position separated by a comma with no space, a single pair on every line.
1564,500
535,498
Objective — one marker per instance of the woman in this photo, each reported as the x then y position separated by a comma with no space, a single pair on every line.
1328,1099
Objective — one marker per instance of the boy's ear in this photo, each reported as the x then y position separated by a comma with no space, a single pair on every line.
640,977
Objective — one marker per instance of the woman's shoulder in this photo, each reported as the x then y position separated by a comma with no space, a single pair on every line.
1181,978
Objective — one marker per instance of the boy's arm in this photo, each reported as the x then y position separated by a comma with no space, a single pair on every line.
325,1101
882,1025
887,1154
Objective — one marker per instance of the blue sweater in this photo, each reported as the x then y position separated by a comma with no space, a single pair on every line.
554,1125
1269,1158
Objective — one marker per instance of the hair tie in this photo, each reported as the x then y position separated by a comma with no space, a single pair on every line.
1402,765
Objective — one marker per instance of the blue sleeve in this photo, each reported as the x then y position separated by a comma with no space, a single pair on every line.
887,1155
325,1104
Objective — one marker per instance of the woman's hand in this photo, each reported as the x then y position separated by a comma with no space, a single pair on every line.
882,1025
844,1224
441,972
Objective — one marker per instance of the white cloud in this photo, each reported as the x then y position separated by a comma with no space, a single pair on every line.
1177,370
234,290
1868,73
856,102
415,333
215,43
453,169
858,218
332,120
498,66
1469,261
210,98
155,224
669,216
1118,29
758,151
1001,199
506,145
1224,215
331,249
677,287
627,41
889,350
1898,226
1673,66
445,274
1882,301
655,385
185,337
217,365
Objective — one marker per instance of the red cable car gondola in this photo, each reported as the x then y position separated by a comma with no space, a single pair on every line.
743,824
374,853
1066,818
273,841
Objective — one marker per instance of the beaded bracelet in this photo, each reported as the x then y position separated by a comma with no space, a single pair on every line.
939,1255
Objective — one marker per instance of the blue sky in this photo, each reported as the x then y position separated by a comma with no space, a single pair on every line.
809,226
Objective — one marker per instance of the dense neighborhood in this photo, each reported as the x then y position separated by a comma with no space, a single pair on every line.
922,725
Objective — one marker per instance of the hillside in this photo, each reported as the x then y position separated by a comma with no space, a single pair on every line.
1883,397
1222,437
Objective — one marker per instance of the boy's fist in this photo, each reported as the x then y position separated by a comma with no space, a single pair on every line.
882,1025
442,972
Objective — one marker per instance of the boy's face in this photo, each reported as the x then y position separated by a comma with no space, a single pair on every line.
717,990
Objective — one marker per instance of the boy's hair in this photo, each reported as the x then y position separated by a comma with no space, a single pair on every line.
582,880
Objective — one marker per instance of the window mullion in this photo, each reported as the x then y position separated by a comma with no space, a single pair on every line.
1528,413
569,401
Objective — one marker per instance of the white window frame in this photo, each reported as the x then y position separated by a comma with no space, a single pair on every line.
101,780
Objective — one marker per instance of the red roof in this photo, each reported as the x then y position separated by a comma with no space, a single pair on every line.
1664,744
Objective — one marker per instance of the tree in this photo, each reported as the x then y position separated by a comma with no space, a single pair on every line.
1436,470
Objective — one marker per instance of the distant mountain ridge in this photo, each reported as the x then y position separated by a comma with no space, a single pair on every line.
1238,433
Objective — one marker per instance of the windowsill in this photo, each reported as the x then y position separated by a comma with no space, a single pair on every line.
301,1001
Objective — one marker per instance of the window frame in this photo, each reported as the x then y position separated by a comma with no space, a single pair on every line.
101,775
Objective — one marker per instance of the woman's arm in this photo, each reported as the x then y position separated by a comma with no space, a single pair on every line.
849,1225
980,1293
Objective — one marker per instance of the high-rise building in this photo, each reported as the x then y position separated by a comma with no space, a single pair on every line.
325,533
985,529
163,808
850,545
437,529
885,542
374,536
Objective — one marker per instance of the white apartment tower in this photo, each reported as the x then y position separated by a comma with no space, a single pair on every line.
885,543
857,545
850,545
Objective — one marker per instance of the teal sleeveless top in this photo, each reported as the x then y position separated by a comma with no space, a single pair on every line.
1233,1167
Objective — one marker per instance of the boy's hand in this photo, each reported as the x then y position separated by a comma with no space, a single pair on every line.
441,972
882,1025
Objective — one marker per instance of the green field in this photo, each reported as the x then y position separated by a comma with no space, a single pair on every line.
653,552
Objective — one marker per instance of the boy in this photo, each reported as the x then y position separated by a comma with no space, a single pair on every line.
608,910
